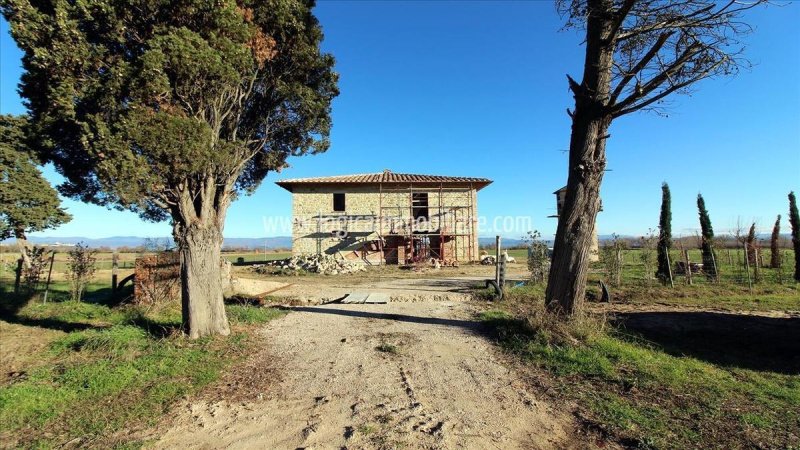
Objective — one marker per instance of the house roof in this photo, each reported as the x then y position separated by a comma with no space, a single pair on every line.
387,176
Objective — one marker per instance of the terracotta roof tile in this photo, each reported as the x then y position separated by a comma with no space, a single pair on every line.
384,177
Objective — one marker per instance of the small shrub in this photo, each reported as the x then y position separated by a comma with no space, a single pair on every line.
33,274
80,269
538,257
611,257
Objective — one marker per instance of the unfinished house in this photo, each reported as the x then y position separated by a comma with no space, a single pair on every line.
594,251
386,217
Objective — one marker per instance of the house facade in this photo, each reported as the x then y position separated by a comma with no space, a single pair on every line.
386,217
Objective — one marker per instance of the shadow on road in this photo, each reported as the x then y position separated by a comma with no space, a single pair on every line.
471,325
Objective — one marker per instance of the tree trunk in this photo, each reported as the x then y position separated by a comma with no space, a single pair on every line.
566,285
591,119
202,302
22,246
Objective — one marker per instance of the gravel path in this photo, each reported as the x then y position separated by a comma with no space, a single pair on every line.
412,375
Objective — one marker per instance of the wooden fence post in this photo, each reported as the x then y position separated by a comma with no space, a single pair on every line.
498,241
756,267
49,275
502,275
688,268
669,270
18,276
114,271
747,267
716,268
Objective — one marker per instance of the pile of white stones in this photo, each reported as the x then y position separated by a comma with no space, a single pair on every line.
323,264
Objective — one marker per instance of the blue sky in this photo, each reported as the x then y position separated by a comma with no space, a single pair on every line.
478,89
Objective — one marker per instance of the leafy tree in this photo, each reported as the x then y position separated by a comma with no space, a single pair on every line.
707,239
174,109
794,221
637,53
774,245
664,234
27,201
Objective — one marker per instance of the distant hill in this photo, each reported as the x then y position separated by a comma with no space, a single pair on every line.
136,241
507,242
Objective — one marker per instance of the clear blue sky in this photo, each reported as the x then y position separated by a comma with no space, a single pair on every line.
478,89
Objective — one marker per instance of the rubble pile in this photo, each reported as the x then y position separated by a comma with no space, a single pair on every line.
323,264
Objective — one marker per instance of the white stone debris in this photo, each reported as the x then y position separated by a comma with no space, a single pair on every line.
322,264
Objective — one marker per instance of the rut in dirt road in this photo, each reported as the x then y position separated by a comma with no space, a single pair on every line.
419,375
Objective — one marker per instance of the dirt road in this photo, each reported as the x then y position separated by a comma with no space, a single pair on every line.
412,375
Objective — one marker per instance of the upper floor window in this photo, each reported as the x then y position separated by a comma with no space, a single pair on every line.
338,202
419,205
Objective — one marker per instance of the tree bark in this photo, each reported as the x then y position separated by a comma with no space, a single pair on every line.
202,302
22,246
566,287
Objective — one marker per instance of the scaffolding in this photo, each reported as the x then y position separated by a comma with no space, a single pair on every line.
418,230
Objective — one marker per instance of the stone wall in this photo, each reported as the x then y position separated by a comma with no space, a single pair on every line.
368,212
157,278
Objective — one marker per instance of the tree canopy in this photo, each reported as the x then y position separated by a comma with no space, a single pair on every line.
146,104
27,201
172,109
661,47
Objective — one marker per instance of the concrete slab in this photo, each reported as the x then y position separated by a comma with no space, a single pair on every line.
356,297
377,297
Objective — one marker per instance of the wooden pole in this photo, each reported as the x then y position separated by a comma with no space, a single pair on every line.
747,267
669,270
114,271
502,275
714,263
756,268
18,276
497,260
49,275
688,268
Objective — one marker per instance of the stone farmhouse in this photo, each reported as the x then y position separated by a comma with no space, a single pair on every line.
386,217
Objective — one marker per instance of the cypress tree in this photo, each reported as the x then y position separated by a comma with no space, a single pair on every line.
664,234
751,245
775,255
794,221
708,238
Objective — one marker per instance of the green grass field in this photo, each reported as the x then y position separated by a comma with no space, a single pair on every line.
676,369
126,260
85,370
648,393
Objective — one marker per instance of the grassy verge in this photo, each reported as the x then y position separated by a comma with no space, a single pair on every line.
108,369
652,395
